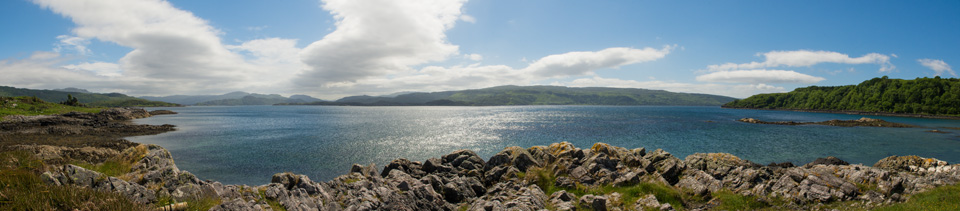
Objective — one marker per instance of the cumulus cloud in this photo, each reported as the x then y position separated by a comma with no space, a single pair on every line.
806,58
98,68
580,63
373,49
173,50
741,91
759,76
379,40
937,66
41,69
474,57
433,78
70,42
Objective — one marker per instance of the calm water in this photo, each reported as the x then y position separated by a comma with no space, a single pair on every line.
248,144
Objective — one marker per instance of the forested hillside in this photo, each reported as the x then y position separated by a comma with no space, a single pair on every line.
937,96
90,99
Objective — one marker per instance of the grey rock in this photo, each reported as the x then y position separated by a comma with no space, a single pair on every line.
515,156
699,182
412,168
565,182
831,160
238,205
630,178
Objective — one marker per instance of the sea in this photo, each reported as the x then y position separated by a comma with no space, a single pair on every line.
248,144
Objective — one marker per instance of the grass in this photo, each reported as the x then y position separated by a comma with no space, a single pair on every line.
110,167
274,204
22,189
940,198
30,106
116,166
732,201
629,194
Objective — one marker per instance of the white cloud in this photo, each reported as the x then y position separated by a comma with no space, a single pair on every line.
806,58
434,78
741,91
378,41
937,66
581,63
759,76
98,68
40,70
372,50
70,42
468,19
474,57
173,50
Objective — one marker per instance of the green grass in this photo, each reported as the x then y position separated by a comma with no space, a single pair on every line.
732,201
629,194
940,198
22,189
274,204
30,106
112,167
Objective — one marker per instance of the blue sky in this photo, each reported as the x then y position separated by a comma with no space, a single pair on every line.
335,48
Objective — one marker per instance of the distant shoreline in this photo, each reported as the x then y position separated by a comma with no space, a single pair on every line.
928,116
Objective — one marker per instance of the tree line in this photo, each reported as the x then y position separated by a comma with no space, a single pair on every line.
936,96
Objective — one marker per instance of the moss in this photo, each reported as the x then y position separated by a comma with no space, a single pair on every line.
732,201
940,198
274,204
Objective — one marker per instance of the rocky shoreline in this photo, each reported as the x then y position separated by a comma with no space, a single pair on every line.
867,113
555,177
862,122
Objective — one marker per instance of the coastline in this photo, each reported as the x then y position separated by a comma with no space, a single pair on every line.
560,176
853,113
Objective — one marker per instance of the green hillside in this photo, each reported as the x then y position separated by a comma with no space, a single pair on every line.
34,106
934,96
538,95
90,99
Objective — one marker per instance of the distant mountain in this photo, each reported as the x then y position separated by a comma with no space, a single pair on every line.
83,96
234,98
537,95
71,89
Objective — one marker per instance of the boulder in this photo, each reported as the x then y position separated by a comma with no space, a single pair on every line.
412,168
699,182
831,160
515,156
910,163
716,164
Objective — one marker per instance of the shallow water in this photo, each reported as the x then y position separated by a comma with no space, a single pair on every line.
248,144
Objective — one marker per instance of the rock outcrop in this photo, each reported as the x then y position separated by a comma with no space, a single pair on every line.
111,122
863,122
513,179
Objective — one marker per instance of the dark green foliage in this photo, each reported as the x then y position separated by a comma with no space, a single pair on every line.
91,99
935,96
538,95
72,101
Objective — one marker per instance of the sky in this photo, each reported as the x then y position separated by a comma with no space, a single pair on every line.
335,48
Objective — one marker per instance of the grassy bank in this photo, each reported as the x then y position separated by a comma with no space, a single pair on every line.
30,106
21,188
